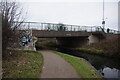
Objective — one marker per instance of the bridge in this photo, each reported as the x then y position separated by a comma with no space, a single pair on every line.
68,35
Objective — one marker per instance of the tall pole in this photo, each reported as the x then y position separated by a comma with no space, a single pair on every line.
119,27
103,22
103,10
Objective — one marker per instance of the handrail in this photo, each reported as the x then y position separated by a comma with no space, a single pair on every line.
65,27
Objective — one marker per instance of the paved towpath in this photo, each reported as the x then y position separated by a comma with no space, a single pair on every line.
56,67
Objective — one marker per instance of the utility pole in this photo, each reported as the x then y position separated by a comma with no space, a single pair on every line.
119,16
103,22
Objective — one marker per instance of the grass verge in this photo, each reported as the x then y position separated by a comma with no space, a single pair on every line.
81,66
91,50
22,64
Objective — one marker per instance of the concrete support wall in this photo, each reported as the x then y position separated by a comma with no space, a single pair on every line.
98,38
93,39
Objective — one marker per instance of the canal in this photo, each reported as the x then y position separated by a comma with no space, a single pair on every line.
108,67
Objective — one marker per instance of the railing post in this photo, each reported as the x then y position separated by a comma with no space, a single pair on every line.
41,26
78,28
53,27
71,27
114,31
91,29
28,25
45,27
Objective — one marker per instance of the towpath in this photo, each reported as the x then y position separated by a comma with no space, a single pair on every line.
56,67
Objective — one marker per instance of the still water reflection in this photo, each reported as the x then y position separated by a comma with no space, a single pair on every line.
109,68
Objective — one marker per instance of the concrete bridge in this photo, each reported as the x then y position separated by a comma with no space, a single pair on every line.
68,35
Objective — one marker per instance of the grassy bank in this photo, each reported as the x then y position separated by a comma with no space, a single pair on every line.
92,51
22,64
107,47
81,66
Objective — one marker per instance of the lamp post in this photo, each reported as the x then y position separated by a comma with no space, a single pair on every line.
103,21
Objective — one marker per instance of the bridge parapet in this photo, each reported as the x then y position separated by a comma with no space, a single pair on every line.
55,34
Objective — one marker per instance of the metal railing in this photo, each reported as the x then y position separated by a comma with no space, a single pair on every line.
64,27
112,31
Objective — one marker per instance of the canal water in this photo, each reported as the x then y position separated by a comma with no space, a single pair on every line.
108,67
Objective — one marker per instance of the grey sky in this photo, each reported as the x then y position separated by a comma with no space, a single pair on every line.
73,12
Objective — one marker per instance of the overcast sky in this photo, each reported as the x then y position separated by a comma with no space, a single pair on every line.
79,12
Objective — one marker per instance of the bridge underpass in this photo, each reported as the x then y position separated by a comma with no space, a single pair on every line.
68,35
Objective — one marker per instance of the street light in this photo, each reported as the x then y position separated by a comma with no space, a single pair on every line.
103,22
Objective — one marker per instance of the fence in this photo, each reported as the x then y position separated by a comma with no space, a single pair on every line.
64,27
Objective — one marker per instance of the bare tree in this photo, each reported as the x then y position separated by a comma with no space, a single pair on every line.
11,21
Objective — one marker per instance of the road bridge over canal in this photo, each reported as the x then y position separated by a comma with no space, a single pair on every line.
68,35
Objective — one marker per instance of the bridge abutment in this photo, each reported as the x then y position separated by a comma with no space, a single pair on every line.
93,39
